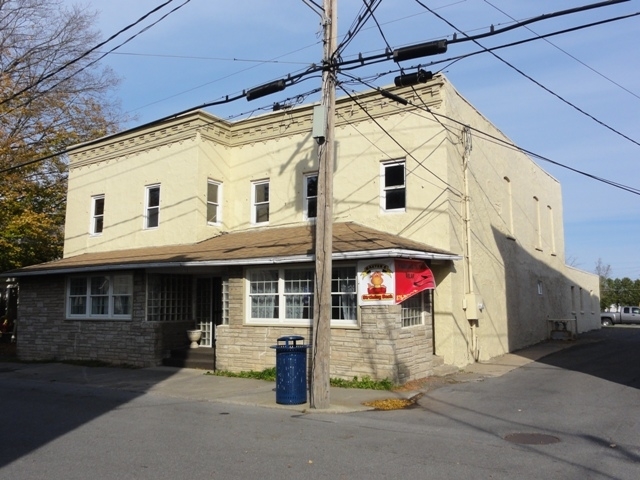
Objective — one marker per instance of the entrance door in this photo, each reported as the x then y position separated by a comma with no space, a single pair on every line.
208,308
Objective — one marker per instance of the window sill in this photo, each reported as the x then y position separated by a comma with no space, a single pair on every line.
97,319
339,324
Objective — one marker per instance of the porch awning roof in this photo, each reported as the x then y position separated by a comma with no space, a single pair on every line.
273,245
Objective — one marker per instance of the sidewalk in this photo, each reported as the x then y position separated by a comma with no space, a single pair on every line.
197,385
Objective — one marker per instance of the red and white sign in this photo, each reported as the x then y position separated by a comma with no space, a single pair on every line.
389,281
412,276
376,282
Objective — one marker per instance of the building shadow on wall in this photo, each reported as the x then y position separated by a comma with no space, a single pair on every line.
536,293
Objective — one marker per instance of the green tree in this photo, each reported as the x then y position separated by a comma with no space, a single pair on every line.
51,97
606,284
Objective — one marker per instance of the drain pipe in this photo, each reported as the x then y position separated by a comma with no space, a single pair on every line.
470,303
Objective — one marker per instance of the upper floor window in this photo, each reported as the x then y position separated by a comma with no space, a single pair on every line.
393,189
260,201
152,211
214,194
310,196
100,296
97,214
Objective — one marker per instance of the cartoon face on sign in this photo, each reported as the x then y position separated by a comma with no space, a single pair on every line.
376,284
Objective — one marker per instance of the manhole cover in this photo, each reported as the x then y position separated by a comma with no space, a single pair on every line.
531,438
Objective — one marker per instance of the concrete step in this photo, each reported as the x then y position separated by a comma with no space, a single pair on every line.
201,358
440,369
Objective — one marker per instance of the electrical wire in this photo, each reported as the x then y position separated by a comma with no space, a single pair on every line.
528,77
361,19
568,54
88,52
355,100
499,140
298,98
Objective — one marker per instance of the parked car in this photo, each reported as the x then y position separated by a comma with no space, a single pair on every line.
623,315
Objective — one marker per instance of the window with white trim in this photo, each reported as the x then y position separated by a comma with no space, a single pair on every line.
214,195
344,288
97,214
152,209
392,185
286,295
260,202
100,297
310,196
415,308
169,298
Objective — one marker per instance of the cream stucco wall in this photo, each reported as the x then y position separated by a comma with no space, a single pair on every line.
515,246
515,249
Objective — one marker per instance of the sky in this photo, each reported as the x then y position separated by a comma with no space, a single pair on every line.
206,50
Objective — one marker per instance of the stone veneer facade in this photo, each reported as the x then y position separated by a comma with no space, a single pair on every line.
45,334
380,348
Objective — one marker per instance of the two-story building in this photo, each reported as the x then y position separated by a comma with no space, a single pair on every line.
448,241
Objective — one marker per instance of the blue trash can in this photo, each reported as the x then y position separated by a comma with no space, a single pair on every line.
291,371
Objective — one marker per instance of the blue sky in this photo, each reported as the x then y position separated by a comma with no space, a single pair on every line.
208,49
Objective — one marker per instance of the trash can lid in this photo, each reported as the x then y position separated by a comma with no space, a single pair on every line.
290,338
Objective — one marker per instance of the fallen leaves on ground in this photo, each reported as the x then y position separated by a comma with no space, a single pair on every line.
389,404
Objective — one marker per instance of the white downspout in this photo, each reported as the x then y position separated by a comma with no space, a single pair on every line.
470,301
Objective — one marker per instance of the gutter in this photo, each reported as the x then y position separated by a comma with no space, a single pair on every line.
360,255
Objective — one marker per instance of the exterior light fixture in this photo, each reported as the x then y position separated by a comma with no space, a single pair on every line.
420,50
266,89
421,76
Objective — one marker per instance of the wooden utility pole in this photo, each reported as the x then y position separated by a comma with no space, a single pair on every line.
319,394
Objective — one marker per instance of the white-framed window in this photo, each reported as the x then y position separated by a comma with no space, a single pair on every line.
393,190
260,202
214,197
169,298
541,288
97,214
415,308
152,207
344,291
310,200
286,296
106,297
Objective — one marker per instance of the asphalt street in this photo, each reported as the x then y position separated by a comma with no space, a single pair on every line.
569,415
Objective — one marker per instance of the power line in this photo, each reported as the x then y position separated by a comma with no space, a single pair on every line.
569,54
91,50
559,97
499,140
293,80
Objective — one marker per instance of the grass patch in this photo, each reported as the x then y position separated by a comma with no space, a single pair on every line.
269,374
365,382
